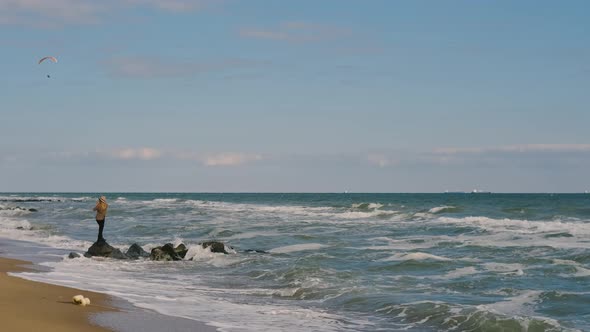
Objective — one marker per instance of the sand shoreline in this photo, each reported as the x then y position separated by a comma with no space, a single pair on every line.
35,306
27,305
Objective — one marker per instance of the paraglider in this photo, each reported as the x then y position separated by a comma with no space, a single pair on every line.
50,58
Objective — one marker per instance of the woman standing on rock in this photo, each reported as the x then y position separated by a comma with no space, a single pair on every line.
101,213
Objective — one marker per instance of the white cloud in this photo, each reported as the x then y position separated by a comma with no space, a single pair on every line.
47,13
526,155
141,153
263,34
380,160
230,159
295,31
521,155
144,154
171,5
522,148
143,67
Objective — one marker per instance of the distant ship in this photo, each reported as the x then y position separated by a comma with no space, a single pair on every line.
477,191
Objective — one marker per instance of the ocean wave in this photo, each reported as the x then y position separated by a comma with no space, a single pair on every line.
297,247
505,268
15,211
521,226
32,199
23,230
459,273
366,206
581,271
422,216
317,212
437,315
165,200
441,209
407,244
17,199
11,226
415,256
364,215
520,304
198,253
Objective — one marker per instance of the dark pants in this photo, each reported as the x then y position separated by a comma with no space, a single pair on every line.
100,228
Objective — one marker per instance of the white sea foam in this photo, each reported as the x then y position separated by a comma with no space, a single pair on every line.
176,298
198,253
440,209
13,212
9,226
15,198
165,200
505,268
521,226
408,243
581,271
297,247
21,229
423,215
416,256
363,215
370,206
460,272
521,304
322,213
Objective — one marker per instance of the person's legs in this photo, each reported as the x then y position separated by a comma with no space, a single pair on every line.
100,228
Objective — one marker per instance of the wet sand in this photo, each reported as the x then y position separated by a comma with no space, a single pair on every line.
34,306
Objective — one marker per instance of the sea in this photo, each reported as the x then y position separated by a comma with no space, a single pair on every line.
324,261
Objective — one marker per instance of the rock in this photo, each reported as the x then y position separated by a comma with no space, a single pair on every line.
73,255
169,248
168,252
103,249
158,255
20,227
214,246
136,251
181,250
165,253
33,210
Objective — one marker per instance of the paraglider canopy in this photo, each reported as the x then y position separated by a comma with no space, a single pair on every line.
48,58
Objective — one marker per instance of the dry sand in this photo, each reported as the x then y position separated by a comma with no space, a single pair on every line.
33,306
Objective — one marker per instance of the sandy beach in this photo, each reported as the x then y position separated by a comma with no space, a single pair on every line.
33,306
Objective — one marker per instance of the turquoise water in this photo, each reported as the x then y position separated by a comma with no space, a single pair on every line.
330,262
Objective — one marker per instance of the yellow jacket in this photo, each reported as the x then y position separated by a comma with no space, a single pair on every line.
101,210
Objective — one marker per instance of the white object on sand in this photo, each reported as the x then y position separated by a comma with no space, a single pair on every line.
81,300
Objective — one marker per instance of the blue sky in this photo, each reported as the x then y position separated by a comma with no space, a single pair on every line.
295,96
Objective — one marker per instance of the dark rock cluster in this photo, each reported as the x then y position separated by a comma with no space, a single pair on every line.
18,208
166,252
103,249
